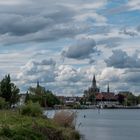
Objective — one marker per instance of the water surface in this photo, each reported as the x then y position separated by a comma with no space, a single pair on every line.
109,124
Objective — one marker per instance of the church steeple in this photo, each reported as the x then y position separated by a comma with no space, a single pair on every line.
108,89
38,84
94,82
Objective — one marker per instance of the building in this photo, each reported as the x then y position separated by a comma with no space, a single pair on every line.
69,101
90,92
94,96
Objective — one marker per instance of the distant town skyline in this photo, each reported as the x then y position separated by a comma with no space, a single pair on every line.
62,44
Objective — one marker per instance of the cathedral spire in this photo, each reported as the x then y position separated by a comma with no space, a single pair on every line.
38,84
94,82
108,89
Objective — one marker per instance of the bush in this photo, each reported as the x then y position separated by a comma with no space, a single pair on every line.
20,133
71,134
65,118
31,109
3,103
6,131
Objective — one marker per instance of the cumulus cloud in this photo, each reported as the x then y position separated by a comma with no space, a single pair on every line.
121,59
81,50
114,76
68,80
64,79
42,71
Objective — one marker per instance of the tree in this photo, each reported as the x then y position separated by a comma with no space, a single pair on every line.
43,96
9,90
27,98
121,98
5,88
92,98
15,94
131,100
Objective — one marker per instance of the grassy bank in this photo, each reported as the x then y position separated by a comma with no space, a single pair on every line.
14,126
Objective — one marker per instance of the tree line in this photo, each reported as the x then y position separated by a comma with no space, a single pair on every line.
10,94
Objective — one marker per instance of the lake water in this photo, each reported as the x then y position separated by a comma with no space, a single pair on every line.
109,124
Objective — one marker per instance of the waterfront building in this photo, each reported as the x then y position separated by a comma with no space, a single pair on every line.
94,96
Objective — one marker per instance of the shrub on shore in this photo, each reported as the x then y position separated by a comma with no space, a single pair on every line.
15,126
31,109
3,103
65,118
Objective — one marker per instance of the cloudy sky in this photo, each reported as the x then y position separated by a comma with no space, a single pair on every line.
63,43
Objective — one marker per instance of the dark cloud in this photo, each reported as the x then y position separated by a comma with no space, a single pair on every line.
20,25
35,21
82,49
121,59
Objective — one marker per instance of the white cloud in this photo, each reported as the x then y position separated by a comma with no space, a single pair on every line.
91,16
134,4
111,74
12,2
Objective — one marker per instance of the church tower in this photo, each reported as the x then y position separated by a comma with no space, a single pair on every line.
38,84
108,89
94,82
94,87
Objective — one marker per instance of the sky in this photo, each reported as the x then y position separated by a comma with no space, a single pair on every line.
62,44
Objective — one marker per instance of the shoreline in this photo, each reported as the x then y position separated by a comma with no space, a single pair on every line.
86,108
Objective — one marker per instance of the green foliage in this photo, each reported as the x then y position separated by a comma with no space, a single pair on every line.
27,98
138,99
51,99
5,88
45,98
3,104
71,134
21,127
9,91
20,133
6,131
39,90
27,133
15,94
31,109
131,100
128,99
92,98
121,99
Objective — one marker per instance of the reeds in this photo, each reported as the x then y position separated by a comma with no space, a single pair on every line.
65,118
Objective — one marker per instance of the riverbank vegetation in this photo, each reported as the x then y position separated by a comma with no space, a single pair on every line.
128,99
28,123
